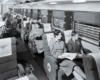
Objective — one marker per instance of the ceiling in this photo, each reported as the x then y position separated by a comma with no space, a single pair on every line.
41,1
11,1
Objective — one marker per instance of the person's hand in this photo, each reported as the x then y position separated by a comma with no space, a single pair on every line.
38,35
80,55
59,57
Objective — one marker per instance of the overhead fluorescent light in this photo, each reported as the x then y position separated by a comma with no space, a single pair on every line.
53,3
39,4
78,1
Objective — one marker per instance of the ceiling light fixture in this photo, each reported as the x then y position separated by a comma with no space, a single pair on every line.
53,3
78,1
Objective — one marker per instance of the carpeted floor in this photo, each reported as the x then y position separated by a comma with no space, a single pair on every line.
23,54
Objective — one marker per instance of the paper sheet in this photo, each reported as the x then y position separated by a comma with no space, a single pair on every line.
70,56
47,27
5,47
23,78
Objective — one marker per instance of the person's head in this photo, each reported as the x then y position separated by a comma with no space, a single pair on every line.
9,10
75,35
17,17
57,34
38,19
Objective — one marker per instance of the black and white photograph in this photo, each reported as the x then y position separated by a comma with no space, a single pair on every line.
49,39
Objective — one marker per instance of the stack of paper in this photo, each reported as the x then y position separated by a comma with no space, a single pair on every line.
70,56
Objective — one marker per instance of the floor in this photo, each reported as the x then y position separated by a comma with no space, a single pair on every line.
24,54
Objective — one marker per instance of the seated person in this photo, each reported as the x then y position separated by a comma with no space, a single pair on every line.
28,28
74,45
39,21
19,21
57,48
36,35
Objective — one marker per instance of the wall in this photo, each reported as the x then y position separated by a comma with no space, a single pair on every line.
5,8
87,17
91,47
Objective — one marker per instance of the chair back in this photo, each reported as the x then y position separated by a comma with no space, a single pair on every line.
8,61
67,35
91,66
47,37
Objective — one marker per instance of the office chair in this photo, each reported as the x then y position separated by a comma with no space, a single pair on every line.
91,66
9,68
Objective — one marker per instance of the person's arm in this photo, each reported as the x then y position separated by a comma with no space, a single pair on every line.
26,27
65,50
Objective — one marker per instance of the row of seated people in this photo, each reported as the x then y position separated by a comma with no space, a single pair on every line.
58,47
56,66
73,46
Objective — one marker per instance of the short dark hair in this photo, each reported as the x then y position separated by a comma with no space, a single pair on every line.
17,16
73,33
56,32
38,18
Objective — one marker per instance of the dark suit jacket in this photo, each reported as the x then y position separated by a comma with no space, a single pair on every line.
29,26
74,47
